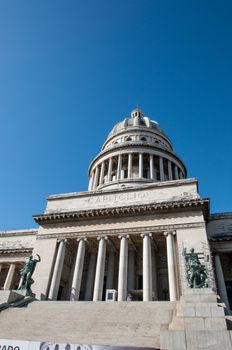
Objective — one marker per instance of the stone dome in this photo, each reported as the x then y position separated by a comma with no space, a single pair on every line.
136,151
137,119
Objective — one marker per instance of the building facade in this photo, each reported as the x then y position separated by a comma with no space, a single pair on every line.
134,236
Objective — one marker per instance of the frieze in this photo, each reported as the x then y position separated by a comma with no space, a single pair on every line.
113,232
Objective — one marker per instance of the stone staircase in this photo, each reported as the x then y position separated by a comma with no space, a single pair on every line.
100,323
199,323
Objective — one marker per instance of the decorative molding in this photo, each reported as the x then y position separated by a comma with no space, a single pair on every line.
18,233
218,216
221,247
15,251
124,211
162,184
220,238
115,232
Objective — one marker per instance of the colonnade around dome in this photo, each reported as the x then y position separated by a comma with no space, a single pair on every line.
134,167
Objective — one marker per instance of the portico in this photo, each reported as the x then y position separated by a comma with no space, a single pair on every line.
133,249
124,263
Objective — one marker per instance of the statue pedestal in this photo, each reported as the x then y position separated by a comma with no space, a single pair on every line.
24,293
199,322
9,296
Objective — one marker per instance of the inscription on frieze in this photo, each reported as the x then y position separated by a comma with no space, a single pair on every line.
117,198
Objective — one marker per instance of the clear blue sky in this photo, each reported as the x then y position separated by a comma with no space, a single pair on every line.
70,70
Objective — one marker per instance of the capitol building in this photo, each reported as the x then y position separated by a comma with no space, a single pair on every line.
136,260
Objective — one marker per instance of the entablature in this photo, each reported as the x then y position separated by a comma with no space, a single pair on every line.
157,229
131,210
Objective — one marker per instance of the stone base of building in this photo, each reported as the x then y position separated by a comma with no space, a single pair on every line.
199,322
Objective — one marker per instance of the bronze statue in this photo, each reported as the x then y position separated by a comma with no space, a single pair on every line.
26,273
196,271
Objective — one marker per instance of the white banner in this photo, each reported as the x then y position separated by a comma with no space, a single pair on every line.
6,344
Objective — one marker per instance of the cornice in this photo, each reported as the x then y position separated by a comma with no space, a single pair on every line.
123,211
220,216
15,251
146,186
220,238
115,232
18,233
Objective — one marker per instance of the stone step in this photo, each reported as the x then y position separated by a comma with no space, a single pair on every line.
100,323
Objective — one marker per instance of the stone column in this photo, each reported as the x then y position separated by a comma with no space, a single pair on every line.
171,264
140,165
90,276
102,173
147,267
100,269
154,272
151,167
170,170
109,170
93,180
78,270
161,168
123,267
90,182
96,175
9,277
55,283
21,280
155,170
129,165
119,166
176,173
221,282
110,270
131,269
